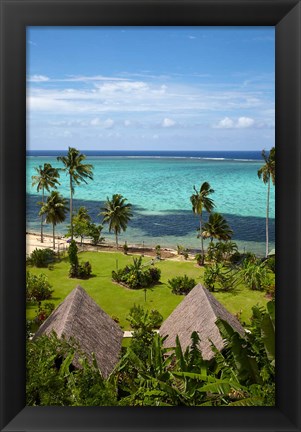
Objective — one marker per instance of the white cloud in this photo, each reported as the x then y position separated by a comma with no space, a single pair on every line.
245,122
127,123
38,78
124,86
225,123
167,122
240,123
192,37
95,122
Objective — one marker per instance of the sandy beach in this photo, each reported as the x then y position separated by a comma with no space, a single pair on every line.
33,241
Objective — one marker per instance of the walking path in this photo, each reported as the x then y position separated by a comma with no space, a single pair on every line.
129,334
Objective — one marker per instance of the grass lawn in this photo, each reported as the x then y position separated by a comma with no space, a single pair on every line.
117,300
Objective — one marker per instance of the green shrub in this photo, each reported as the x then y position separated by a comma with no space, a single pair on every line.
125,248
141,318
135,276
81,271
158,251
198,258
217,274
37,288
271,263
84,270
185,254
180,249
72,254
155,274
41,257
156,318
43,312
181,284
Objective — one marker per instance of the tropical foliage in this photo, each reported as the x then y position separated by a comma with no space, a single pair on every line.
181,284
53,380
267,173
200,200
221,276
117,213
78,172
256,275
217,228
77,270
41,257
46,179
137,275
55,210
37,287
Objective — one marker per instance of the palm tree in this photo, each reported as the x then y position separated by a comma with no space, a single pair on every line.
46,178
217,227
117,214
78,172
200,200
267,172
55,210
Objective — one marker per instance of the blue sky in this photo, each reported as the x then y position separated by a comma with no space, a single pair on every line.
151,88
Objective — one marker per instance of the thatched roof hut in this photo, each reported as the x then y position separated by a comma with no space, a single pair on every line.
198,312
79,317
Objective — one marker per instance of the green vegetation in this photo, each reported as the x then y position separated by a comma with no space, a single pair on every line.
55,210
46,179
117,214
243,374
117,300
38,287
181,284
77,171
267,172
77,270
200,200
217,228
41,257
136,276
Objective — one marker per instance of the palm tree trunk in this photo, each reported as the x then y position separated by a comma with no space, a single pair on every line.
267,221
42,238
53,225
202,240
116,237
71,211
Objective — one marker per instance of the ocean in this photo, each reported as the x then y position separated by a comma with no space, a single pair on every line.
159,185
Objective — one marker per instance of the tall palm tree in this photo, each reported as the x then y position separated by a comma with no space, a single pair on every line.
78,172
117,214
55,210
267,172
200,200
46,178
217,227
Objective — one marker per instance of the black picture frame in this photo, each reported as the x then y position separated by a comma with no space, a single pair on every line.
15,16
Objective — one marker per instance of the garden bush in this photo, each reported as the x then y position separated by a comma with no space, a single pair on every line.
79,271
37,288
135,276
139,317
181,284
198,258
41,257
43,312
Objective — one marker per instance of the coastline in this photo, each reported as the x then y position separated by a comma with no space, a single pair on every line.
33,241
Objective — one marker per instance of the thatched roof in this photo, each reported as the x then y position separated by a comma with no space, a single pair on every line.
79,317
198,312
